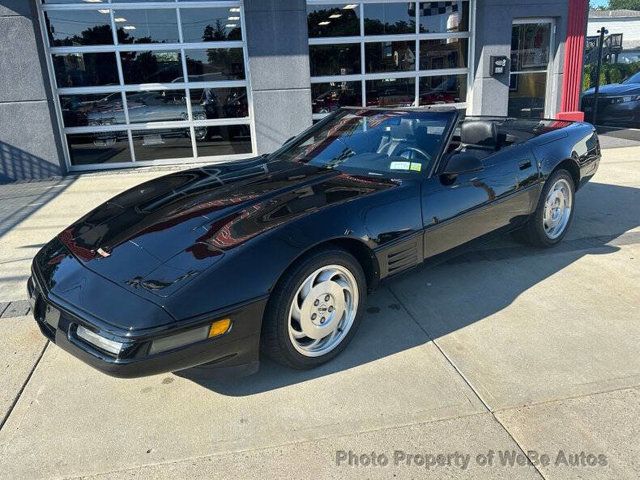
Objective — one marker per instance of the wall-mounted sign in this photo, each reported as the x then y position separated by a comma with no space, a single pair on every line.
498,65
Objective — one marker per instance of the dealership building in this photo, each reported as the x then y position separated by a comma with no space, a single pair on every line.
103,84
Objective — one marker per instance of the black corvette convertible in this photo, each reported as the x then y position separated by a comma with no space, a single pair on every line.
212,265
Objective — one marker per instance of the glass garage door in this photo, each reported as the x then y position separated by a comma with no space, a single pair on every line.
146,82
388,53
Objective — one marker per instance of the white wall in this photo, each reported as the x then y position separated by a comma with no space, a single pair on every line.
629,27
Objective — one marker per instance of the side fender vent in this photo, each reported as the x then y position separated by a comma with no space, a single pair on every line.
401,257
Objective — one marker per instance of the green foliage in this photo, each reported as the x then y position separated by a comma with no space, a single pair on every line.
609,73
624,4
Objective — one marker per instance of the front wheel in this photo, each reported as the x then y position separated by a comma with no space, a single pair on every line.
550,222
314,312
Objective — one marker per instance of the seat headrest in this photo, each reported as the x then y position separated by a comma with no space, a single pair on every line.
479,132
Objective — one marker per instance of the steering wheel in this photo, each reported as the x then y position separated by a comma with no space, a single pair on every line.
417,150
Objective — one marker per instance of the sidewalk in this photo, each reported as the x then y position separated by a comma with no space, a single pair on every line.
505,349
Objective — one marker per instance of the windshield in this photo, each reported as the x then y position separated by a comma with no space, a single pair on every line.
635,78
373,142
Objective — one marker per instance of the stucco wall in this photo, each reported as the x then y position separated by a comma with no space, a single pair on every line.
277,45
29,147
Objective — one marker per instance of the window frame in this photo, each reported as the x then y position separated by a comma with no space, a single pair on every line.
416,37
115,48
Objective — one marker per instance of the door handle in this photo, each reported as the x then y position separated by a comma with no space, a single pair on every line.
524,164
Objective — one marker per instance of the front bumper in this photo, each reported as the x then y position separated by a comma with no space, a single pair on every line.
236,351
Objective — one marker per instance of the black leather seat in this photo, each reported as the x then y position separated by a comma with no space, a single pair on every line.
479,137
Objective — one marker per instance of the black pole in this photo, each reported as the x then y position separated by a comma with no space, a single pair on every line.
603,31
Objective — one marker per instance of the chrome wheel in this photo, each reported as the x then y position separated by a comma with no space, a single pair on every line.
557,209
323,310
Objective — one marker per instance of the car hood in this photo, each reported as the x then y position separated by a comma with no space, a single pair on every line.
616,89
162,233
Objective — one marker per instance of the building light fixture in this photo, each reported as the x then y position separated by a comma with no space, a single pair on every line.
234,18
119,19
350,6
104,10
324,23
231,25
335,15
235,10
129,27
93,1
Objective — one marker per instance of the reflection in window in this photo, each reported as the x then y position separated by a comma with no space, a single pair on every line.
162,144
334,59
211,103
389,18
95,109
79,27
223,140
391,92
530,46
390,56
334,20
157,106
146,26
327,97
443,89
527,95
103,147
151,67
444,53
85,69
210,24
215,64
442,17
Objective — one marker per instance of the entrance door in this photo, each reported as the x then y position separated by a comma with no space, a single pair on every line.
531,42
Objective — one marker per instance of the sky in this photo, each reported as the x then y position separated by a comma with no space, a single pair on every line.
598,3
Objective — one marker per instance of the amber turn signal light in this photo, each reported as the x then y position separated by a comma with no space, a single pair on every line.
219,327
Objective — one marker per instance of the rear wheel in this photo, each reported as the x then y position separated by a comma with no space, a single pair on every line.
314,312
551,220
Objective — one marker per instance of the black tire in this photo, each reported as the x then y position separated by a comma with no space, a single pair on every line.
275,341
533,232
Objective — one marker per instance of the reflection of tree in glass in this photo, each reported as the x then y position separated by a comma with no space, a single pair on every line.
219,33
376,27
99,35
346,24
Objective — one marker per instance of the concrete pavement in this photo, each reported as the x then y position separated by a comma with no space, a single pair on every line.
505,349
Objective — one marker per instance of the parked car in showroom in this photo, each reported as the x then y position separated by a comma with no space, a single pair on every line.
618,103
276,254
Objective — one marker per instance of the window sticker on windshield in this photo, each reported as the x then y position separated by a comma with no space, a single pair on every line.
416,167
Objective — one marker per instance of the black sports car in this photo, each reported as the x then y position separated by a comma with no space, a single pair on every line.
277,253
618,103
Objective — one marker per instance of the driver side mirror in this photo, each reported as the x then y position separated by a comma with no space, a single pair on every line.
462,163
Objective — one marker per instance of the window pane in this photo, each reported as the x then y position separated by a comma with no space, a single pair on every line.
439,17
210,103
147,26
334,20
210,24
445,53
79,27
162,144
224,140
157,106
103,147
389,18
334,59
85,69
327,97
526,95
151,67
530,46
390,56
443,89
215,64
391,92
96,109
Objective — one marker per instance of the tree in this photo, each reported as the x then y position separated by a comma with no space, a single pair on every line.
624,4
